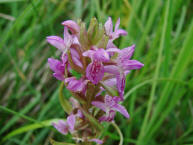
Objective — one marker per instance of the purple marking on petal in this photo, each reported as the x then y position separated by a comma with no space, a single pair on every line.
95,72
57,42
109,101
98,141
72,25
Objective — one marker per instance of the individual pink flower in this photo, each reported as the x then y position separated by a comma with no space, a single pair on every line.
95,70
110,106
113,35
122,66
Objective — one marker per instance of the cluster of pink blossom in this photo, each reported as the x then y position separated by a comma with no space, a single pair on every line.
103,69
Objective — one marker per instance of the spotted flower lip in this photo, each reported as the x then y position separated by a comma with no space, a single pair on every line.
109,106
95,70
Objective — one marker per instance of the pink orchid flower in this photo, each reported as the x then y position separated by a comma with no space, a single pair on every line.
110,106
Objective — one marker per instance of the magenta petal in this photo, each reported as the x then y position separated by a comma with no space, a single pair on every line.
121,84
100,105
119,33
72,25
57,42
59,76
95,72
76,85
121,109
109,101
109,26
132,64
98,141
68,39
126,53
113,69
57,67
108,117
61,126
101,55
117,24
71,122
110,44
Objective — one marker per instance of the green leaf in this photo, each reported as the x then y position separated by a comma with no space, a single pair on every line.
27,128
53,142
92,120
65,103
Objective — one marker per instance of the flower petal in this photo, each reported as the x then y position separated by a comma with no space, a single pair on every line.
98,141
61,126
68,39
100,105
113,69
117,24
109,101
108,117
72,25
95,71
126,53
121,84
131,64
71,122
57,42
109,26
101,55
121,109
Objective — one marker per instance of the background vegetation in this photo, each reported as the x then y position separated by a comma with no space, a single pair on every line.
158,97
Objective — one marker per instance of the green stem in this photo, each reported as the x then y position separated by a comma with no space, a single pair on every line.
119,132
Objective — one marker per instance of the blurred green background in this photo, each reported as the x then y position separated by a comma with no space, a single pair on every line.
159,97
